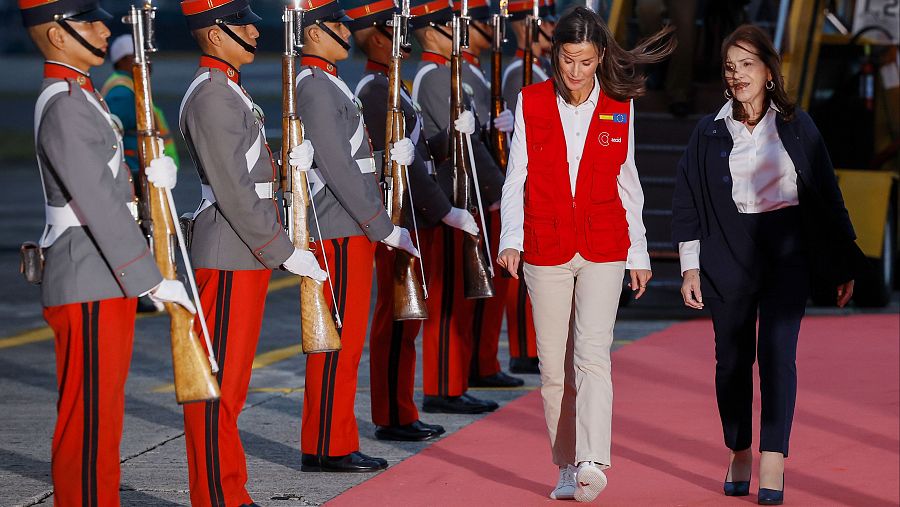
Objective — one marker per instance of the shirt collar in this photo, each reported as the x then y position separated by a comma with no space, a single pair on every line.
592,99
318,61
428,56
471,58
59,70
373,66
217,63
726,111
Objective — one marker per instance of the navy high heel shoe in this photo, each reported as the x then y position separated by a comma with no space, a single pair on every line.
768,496
736,488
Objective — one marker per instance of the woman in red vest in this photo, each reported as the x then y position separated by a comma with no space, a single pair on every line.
571,210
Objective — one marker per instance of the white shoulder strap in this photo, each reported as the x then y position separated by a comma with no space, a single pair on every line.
417,82
362,84
509,68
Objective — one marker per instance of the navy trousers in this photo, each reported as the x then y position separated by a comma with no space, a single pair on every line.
776,305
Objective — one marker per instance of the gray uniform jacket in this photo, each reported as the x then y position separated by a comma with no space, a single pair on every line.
345,183
102,254
512,81
237,227
431,91
431,203
481,92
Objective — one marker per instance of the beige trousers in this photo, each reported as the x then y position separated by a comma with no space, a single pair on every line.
573,343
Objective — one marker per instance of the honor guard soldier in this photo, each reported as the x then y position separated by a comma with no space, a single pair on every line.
96,261
237,238
487,314
512,76
392,344
351,219
447,335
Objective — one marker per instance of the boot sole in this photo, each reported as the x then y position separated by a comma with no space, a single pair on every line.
588,484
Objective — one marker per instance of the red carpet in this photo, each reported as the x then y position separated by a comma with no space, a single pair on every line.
667,447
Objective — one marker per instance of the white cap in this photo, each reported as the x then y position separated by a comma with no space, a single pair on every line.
121,46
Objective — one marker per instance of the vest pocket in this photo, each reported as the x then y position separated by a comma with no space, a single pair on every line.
607,233
604,187
541,236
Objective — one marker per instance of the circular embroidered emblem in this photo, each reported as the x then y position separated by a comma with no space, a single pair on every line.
80,80
230,72
330,68
603,138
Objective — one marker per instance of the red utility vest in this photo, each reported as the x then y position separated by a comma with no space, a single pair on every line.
557,226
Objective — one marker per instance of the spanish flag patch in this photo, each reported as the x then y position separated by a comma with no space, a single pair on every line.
615,118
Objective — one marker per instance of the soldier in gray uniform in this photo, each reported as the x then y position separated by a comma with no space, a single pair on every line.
392,344
512,75
447,335
96,260
487,321
348,203
237,237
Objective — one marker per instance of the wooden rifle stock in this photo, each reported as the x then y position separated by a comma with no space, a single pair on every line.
499,143
194,380
318,330
477,282
409,287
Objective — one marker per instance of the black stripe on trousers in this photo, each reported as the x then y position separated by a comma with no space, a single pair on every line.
90,329
220,338
446,311
522,318
329,373
394,372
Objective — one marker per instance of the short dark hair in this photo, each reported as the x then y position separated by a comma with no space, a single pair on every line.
754,40
617,72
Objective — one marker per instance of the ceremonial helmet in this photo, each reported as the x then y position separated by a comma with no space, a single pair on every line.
518,9
430,13
37,12
369,13
479,10
204,13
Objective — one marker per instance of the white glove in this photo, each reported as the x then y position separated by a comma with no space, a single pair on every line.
403,152
172,291
461,219
505,122
301,156
399,238
304,263
163,172
465,123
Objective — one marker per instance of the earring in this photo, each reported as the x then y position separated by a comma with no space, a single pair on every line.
728,94
770,85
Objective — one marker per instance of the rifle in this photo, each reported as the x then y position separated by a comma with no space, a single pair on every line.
498,141
477,269
409,283
532,37
318,328
194,379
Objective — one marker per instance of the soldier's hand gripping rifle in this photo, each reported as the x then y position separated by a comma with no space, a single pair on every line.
499,142
319,332
194,369
532,37
477,269
409,282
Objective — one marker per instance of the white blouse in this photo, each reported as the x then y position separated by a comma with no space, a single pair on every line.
575,121
763,177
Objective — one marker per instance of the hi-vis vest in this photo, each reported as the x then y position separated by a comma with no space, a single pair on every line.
592,223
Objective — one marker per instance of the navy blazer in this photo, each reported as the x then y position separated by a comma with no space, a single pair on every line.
703,208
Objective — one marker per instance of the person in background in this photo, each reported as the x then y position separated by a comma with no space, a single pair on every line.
756,212
578,227
680,74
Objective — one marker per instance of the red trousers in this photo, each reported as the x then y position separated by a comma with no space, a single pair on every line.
233,302
487,315
93,351
329,423
447,334
519,320
392,347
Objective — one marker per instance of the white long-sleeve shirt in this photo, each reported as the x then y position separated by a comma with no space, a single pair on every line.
575,122
763,177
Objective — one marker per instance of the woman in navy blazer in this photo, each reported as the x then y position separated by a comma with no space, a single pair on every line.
756,213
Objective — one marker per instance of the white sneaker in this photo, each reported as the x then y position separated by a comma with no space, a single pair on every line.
565,486
589,481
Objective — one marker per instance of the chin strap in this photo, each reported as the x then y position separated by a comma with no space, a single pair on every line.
543,34
244,44
99,53
383,31
482,32
333,35
440,30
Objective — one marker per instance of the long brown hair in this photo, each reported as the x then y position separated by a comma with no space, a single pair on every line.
754,40
618,70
